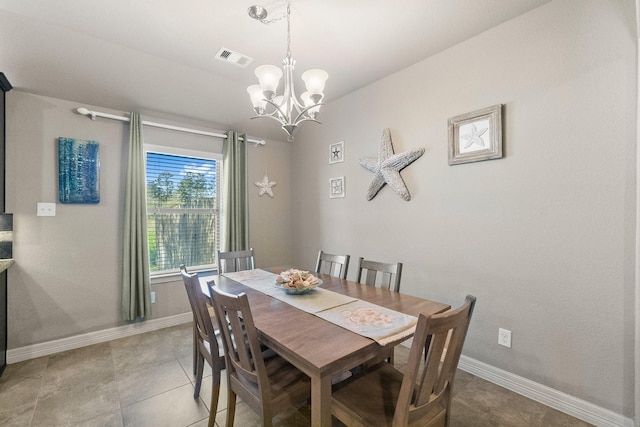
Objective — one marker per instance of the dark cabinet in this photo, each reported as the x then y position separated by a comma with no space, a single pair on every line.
5,86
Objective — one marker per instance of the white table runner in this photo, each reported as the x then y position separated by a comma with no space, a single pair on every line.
370,320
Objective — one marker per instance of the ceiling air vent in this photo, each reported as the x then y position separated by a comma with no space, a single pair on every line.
232,57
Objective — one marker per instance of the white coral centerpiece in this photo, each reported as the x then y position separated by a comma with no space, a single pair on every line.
295,279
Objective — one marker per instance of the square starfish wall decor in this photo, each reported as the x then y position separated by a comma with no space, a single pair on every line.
336,187
476,136
336,152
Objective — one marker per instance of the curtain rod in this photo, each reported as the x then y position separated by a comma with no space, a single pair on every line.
93,114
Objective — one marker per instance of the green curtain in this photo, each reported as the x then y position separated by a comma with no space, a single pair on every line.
236,202
136,291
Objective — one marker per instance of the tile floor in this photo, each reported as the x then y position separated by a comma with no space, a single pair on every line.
146,380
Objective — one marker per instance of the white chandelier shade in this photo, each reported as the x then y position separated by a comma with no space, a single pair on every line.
286,108
269,78
315,80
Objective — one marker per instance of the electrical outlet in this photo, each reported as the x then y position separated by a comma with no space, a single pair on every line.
46,209
504,337
153,297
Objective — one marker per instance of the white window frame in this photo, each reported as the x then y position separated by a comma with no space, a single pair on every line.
158,276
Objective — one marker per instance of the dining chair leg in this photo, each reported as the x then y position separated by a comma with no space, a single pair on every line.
215,394
195,345
231,407
200,365
267,417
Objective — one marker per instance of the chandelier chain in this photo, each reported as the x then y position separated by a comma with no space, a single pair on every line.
288,30
273,20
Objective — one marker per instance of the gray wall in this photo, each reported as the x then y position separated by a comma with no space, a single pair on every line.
66,279
543,237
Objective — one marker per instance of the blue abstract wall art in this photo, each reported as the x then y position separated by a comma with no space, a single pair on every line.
78,171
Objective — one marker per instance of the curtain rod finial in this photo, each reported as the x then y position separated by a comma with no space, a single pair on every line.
86,112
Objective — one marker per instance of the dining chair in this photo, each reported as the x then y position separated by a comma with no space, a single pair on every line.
207,347
268,385
381,274
232,261
212,314
333,265
383,396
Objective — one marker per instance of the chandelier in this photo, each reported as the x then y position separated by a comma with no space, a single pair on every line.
285,108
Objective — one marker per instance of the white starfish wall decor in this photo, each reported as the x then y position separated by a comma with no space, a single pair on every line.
265,186
387,167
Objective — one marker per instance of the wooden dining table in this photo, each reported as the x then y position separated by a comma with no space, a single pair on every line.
319,348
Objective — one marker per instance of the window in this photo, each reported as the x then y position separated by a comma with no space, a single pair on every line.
182,209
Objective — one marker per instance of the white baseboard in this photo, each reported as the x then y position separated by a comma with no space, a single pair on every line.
50,347
563,402
553,398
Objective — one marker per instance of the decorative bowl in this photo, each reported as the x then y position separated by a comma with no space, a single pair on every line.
296,282
298,291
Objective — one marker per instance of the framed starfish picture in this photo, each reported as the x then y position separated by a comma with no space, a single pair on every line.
476,136
336,152
336,187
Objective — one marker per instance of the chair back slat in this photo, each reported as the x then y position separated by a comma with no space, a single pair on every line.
442,337
426,386
232,261
241,344
242,352
371,277
380,274
456,342
333,265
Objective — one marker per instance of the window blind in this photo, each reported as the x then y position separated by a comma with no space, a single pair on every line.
182,211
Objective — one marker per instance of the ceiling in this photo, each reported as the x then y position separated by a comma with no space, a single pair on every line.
157,57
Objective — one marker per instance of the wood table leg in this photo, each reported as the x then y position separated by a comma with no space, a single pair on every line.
321,401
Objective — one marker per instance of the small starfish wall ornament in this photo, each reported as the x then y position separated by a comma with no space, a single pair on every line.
265,186
386,168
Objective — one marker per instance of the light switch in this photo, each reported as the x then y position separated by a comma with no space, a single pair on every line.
46,209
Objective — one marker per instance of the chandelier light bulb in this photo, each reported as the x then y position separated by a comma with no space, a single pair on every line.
315,80
306,99
269,78
257,98
309,102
